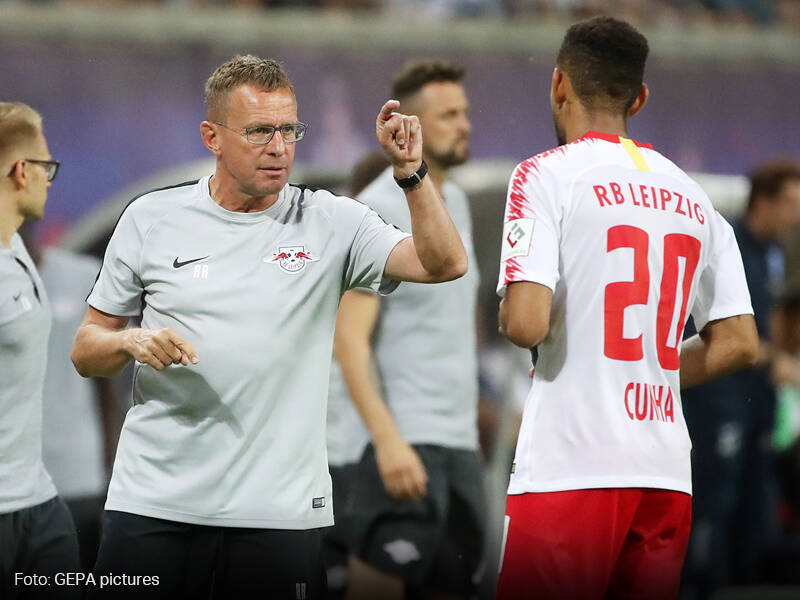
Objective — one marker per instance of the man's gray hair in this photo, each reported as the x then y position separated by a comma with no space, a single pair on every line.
19,126
264,73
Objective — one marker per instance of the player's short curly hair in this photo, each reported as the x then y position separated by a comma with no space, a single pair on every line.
19,125
605,59
416,74
264,73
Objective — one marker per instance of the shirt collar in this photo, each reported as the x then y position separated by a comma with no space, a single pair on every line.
596,135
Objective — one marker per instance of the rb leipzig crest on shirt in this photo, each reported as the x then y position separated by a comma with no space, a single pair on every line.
292,259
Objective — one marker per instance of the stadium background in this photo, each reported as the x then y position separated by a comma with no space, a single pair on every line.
120,87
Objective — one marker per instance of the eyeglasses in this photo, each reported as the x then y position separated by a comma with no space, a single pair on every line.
263,134
50,167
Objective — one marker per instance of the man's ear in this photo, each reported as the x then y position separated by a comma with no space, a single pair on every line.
641,100
210,138
558,86
18,174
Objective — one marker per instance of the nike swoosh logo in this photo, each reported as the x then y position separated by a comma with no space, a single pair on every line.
16,296
178,264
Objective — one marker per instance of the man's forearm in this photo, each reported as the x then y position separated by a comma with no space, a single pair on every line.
100,352
436,238
365,395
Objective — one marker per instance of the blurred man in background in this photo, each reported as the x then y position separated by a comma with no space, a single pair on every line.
346,434
37,536
781,564
419,505
81,418
607,247
731,420
220,479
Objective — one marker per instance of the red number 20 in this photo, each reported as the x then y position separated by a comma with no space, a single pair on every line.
621,294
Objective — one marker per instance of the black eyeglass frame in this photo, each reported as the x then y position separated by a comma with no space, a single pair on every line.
300,127
50,166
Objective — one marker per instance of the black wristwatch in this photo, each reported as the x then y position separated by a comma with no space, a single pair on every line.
414,178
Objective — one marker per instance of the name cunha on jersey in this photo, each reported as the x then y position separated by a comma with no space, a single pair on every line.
646,402
648,196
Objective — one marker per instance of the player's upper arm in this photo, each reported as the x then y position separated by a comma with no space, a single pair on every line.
722,290
104,320
525,313
737,337
404,265
531,229
723,346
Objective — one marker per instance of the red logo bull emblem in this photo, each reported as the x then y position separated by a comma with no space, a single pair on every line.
291,259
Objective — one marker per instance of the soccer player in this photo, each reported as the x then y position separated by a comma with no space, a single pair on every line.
220,476
607,247
37,536
418,499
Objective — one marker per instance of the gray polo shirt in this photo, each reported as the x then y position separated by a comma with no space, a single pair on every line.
425,347
239,439
347,436
24,329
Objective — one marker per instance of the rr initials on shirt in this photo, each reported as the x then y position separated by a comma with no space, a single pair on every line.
200,272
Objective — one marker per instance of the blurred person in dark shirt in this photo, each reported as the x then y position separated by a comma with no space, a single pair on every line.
781,566
731,420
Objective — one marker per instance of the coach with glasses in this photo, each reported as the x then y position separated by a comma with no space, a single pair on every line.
221,479
37,536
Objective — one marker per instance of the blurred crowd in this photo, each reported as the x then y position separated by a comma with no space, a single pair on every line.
745,427
770,13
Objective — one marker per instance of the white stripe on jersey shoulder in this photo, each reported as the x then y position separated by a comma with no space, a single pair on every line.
536,162
554,158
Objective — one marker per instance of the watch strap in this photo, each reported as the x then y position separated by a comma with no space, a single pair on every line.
413,179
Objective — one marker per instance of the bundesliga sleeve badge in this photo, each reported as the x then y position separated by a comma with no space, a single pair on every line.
517,237
291,259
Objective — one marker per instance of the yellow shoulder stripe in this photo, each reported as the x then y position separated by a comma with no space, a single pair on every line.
635,154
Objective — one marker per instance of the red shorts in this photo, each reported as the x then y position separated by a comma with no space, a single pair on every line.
599,543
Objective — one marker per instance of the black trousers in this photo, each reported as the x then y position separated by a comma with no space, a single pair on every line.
38,553
87,514
144,557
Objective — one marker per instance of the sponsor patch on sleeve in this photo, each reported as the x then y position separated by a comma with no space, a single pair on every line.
517,237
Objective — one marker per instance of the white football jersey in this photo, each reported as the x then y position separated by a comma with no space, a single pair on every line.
630,246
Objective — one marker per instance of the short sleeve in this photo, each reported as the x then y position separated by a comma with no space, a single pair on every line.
372,244
722,290
118,289
530,243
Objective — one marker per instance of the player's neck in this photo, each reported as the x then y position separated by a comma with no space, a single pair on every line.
10,221
600,122
225,192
